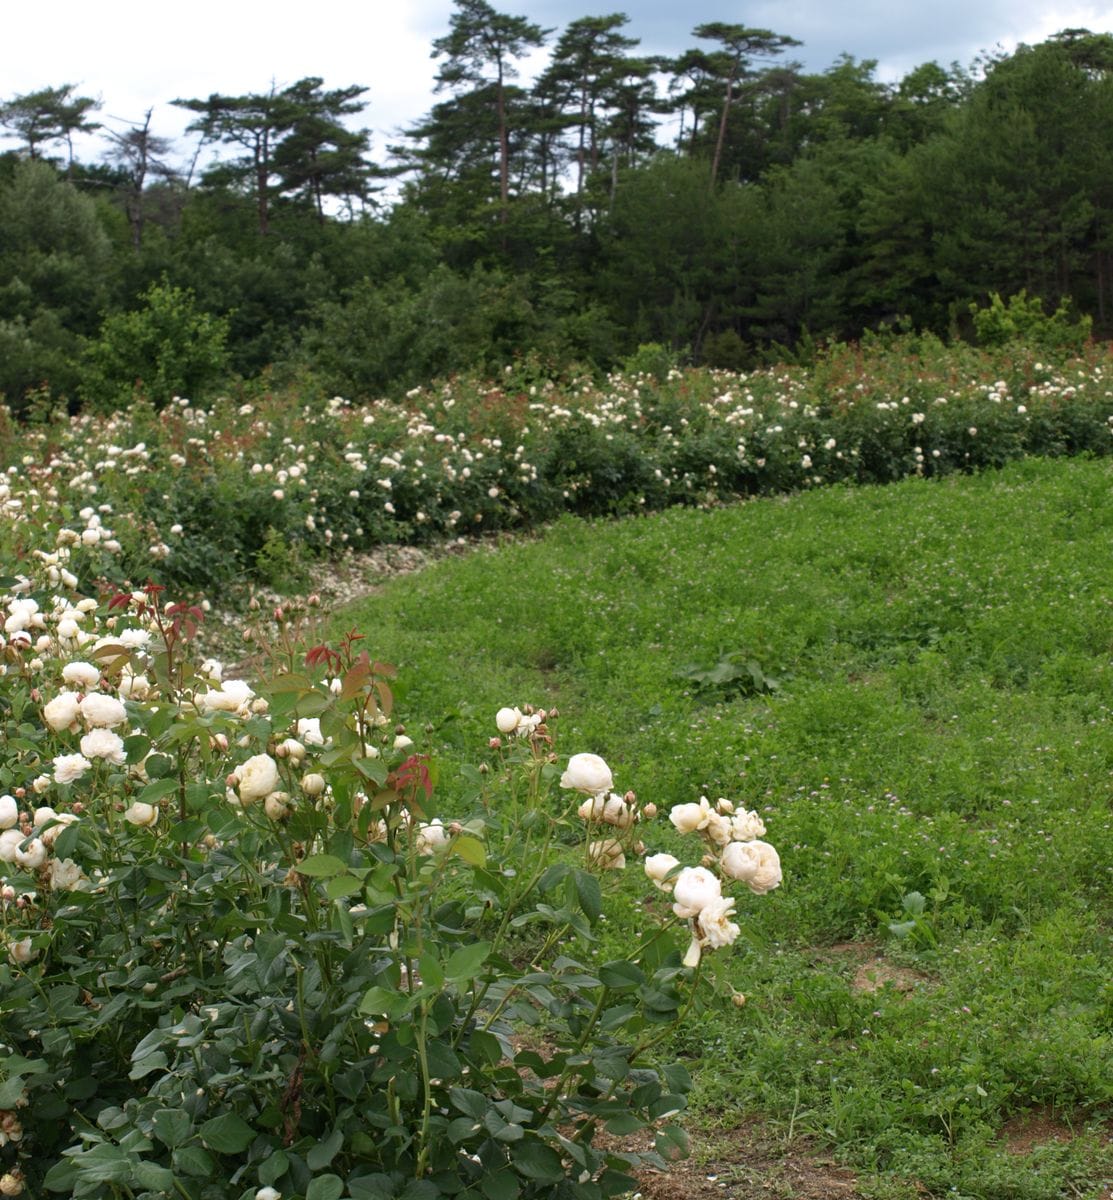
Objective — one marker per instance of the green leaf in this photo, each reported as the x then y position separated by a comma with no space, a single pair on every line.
154,792
153,1178
500,1185
464,964
341,886
325,1187
419,1189
538,1162
61,1177
431,971
227,1134
321,866
621,975
192,1160
625,1123
382,1002
172,1126
590,894
272,1169
470,849
152,1062
324,1152
473,1103
159,766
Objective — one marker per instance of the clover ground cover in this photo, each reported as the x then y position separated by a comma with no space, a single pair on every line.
936,758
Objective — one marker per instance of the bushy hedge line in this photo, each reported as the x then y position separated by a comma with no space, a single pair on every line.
243,491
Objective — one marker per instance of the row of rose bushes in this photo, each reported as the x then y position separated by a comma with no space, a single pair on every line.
200,498
243,954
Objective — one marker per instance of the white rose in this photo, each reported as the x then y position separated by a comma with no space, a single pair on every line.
592,808
607,855
59,821
657,867
268,1193
292,749
134,687
402,742
313,784
62,712
103,743
42,815
258,778
718,829
102,711
507,719
10,841
431,837
689,818
617,812
141,814
275,806
309,731
587,773
9,812
81,674
32,856
716,928
693,889
66,875
756,864
68,767
746,826
230,697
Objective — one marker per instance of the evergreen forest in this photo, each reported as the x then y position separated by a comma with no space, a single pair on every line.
723,205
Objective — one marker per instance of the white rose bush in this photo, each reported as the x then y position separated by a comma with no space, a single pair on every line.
243,951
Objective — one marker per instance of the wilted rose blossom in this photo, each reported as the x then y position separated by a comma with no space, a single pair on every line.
22,952
102,711
756,864
141,814
68,767
657,867
693,889
103,743
81,674
62,712
66,875
715,927
746,826
9,812
607,855
258,778
587,773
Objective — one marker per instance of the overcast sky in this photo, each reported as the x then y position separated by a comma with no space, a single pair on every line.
138,56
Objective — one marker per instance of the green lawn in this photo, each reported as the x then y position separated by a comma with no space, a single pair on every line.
936,755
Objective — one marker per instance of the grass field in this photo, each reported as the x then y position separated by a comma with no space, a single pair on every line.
912,684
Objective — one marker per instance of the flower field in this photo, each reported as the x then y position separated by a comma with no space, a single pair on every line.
199,498
483,922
